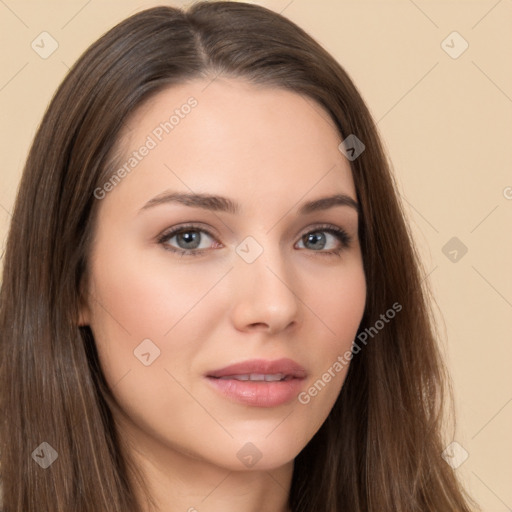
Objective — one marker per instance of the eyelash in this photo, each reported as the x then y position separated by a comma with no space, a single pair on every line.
339,233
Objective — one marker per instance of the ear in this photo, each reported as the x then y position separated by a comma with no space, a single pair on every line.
84,316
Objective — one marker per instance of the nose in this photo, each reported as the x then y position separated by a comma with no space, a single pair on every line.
264,298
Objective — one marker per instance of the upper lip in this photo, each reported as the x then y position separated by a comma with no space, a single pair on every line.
285,366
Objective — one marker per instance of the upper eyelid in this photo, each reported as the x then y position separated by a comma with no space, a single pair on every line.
168,233
198,227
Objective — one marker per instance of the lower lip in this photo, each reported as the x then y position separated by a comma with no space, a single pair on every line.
258,393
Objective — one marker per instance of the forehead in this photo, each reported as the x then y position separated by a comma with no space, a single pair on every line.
233,138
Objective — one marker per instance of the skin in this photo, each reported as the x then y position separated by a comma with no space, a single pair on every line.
270,150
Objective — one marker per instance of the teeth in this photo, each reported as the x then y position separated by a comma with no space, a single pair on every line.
274,377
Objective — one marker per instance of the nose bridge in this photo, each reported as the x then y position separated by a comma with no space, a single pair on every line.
264,278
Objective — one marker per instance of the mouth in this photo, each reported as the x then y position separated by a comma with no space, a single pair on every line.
258,377
258,382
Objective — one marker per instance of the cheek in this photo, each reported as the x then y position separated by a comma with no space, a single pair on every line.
338,302
150,319
138,298
147,323
339,309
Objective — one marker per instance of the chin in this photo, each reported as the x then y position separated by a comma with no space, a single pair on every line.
259,449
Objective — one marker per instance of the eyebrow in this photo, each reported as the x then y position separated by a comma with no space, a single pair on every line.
223,204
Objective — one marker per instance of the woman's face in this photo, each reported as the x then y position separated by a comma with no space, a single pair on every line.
266,284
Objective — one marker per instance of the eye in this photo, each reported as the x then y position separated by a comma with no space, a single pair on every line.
328,239
193,240
190,240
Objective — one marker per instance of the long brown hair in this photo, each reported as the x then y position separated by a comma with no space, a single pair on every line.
380,448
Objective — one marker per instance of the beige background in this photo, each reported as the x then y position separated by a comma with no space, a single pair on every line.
447,124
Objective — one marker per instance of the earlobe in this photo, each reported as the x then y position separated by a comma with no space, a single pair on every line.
83,316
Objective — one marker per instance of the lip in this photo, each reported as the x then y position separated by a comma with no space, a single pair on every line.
260,393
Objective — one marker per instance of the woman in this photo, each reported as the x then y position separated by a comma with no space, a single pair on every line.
210,297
